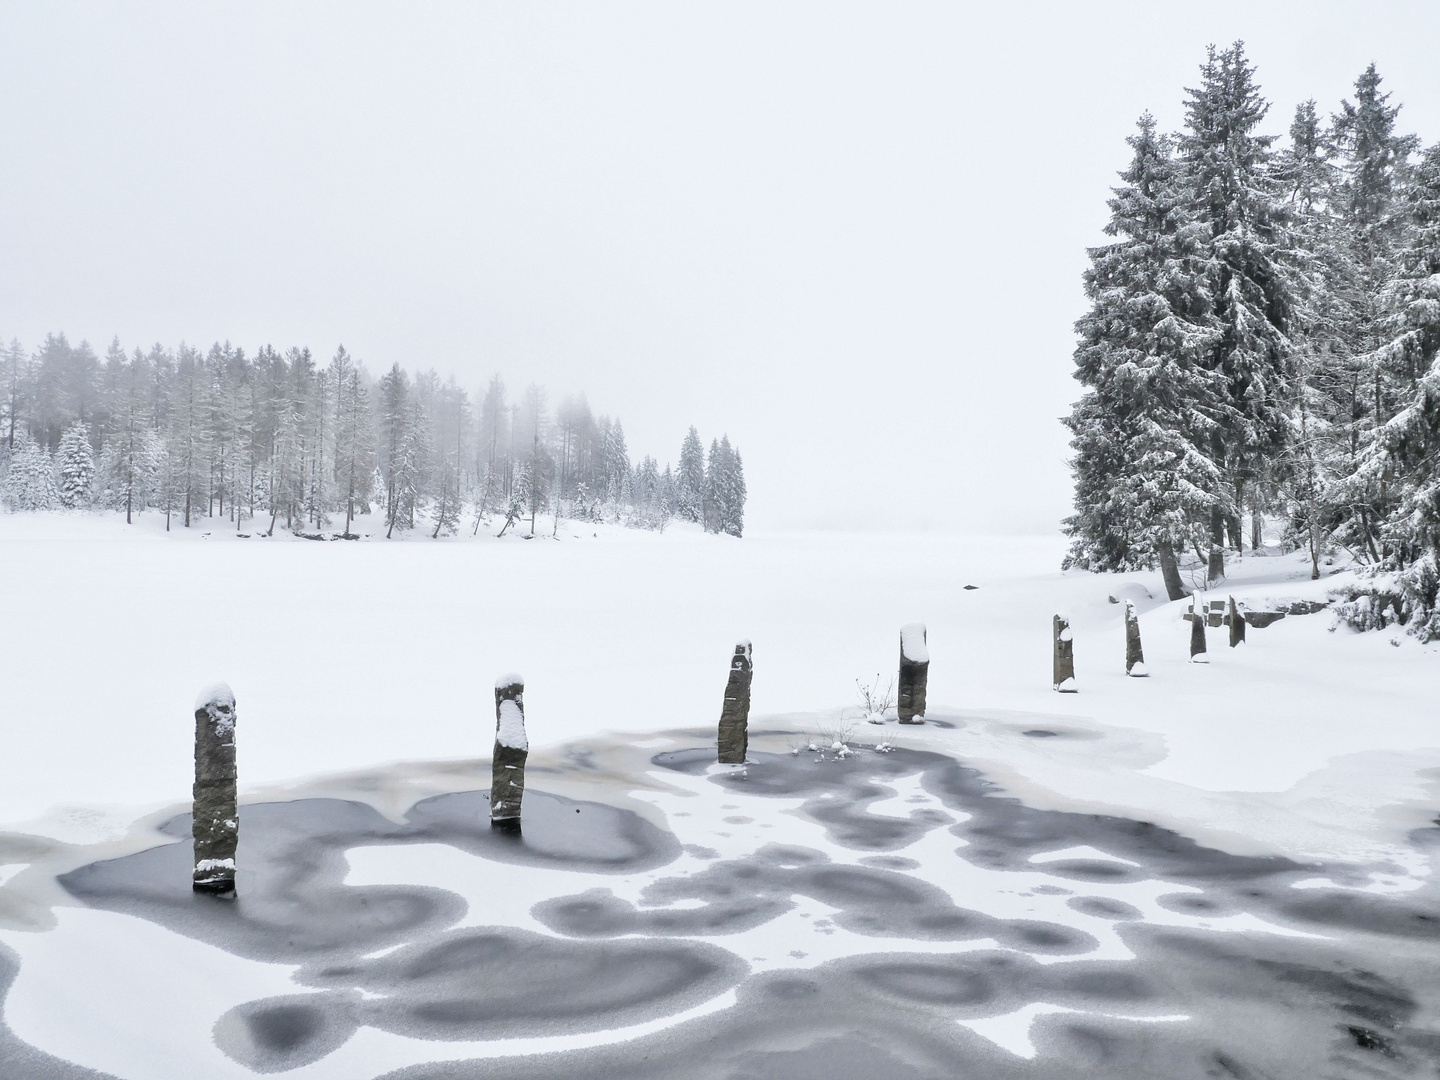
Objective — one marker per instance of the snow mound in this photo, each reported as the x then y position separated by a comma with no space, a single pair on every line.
504,682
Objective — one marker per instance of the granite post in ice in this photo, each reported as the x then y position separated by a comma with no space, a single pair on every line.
215,820
1237,625
1134,654
507,769
734,736
914,673
1064,645
1197,635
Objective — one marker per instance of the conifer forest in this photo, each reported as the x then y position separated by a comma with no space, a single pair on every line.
1260,348
281,441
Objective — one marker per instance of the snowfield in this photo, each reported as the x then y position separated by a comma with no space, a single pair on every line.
1282,796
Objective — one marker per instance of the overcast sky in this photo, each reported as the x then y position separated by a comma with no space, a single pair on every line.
851,236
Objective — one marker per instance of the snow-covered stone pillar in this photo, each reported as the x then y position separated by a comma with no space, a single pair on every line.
1197,635
734,737
507,768
1064,645
914,673
215,821
1134,654
1237,625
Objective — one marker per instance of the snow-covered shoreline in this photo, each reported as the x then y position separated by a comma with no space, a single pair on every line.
347,657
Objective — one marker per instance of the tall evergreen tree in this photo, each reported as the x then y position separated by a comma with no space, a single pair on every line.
690,479
1144,481
1234,195
77,466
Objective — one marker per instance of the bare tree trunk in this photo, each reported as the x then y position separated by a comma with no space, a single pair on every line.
1170,571
1215,570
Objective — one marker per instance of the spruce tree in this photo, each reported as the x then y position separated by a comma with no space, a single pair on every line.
1142,479
1373,160
1234,195
77,466
30,479
690,479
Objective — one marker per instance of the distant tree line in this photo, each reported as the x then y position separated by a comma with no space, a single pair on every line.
1262,339
277,440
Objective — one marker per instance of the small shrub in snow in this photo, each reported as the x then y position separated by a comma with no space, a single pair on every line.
874,701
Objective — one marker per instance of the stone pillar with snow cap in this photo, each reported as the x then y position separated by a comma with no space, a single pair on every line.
1134,654
914,673
507,768
215,820
733,741
1064,655
1237,625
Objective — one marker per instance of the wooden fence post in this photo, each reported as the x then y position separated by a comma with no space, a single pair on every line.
1237,625
1064,656
215,818
733,740
1197,635
507,765
1134,654
914,673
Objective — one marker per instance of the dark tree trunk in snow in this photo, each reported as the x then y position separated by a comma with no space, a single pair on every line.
914,673
734,735
1216,568
512,747
1170,571
1237,625
1064,656
1134,654
215,822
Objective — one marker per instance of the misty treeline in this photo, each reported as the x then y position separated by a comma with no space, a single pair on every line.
1262,342
282,441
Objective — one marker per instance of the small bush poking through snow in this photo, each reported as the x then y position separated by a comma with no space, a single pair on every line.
874,701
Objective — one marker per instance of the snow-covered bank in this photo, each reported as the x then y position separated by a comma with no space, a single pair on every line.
345,656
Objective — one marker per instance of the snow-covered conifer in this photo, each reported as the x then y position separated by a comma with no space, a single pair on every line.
1143,482
1234,195
690,479
30,479
77,466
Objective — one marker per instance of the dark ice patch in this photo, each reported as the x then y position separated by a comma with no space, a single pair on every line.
492,983
740,894
290,898
279,1034
1104,907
